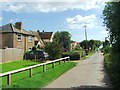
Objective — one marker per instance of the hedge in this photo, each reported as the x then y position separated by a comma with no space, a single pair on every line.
74,55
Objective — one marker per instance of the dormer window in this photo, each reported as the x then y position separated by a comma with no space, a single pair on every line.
30,38
19,37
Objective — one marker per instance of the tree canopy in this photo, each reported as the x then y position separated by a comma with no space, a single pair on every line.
63,38
111,16
90,44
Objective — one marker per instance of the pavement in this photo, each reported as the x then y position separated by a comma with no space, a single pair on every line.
87,73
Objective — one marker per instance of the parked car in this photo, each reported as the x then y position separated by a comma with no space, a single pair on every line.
36,55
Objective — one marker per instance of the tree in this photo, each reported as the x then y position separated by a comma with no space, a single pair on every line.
63,38
91,44
53,49
111,16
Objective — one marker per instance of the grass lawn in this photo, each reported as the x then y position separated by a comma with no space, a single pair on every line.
17,65
39,78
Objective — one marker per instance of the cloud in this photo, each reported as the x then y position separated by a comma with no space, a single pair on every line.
80,21
50,5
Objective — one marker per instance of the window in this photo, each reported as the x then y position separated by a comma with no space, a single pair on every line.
19,37
30,38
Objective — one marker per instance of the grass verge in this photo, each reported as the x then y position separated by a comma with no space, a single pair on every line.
112,69
87,56
39,78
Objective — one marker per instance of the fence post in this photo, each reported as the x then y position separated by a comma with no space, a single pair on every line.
53,65
59,62
9,79
44,68
69,59
30,72
35,57
64,60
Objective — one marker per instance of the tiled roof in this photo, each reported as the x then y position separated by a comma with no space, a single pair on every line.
9,28
45,35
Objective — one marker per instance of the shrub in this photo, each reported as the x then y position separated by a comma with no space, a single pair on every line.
53,49
74,55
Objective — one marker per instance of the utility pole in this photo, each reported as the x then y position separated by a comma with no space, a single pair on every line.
86,38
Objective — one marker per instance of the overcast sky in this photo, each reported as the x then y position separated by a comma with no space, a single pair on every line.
66,15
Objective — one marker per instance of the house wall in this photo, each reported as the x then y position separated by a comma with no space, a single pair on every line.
29,44
24,43
7,40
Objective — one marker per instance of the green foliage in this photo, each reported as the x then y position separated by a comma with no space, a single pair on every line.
34,48
63,38
106,47
74,55
53,49
90,44
111,16
77,48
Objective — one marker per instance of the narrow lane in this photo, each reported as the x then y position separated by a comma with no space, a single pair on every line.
88,73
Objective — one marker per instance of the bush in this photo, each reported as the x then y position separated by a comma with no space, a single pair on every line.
80,50
53,49
74,55
112,68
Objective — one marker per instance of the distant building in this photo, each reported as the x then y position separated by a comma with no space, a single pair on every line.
38,42
74,44
46,36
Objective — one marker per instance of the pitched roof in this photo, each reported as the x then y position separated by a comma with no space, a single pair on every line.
37,36
10,28
45,35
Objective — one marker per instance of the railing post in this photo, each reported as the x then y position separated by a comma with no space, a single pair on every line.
59,62
44,68
53,65
9,79
30,72
68,59
35,57
64,60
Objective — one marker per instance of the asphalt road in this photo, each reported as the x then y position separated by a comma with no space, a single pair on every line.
88,73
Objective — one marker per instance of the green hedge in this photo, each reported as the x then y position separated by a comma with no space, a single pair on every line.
74,55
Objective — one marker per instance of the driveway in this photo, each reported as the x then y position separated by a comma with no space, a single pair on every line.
88,73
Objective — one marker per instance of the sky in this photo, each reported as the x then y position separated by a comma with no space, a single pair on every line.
64,15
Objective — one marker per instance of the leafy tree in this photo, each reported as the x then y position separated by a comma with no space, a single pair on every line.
111,16
53,49
93,44
63,38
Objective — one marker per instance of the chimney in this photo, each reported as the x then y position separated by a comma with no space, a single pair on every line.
38,31
18,25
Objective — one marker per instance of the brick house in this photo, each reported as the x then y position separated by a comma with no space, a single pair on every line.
14,36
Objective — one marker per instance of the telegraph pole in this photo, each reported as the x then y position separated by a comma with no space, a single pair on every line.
86,38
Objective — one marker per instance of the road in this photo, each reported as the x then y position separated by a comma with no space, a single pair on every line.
88,73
